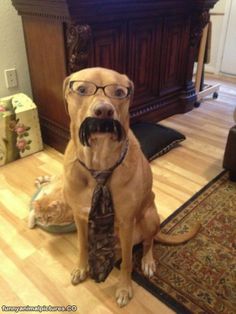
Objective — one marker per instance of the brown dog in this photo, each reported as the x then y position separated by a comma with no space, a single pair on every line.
104,95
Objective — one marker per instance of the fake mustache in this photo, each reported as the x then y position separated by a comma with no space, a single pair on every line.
96,125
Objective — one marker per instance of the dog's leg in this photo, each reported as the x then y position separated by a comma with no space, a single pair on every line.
148,263
149,227
124,290
79,274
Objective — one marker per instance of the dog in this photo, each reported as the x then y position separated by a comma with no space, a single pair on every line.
98,101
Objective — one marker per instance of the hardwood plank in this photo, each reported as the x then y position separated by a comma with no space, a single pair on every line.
20,284
7,294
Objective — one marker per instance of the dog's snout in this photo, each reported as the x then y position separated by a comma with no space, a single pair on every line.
104,111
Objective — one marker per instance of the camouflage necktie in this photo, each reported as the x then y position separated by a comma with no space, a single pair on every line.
101,238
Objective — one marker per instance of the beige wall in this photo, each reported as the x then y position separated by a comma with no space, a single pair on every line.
228,64
12,50
217,32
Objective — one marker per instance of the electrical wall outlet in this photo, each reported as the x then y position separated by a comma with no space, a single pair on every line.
11,78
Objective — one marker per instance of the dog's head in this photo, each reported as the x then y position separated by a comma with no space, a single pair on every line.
98,102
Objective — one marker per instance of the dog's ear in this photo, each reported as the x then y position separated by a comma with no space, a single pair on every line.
131,87
65,92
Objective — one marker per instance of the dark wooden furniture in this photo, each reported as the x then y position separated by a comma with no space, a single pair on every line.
229,161
153,41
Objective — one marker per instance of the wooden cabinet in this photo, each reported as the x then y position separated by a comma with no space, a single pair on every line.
152,41
173,55
108,46
143,66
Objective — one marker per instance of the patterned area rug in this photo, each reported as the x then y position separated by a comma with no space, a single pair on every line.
199,276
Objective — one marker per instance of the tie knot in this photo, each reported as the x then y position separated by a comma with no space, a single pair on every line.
101,177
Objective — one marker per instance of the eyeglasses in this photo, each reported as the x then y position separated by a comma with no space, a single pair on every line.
84,88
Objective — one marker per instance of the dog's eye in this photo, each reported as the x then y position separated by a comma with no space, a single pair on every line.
81,90
116,91
120,93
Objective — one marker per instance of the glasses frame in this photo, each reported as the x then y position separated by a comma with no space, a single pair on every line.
100,87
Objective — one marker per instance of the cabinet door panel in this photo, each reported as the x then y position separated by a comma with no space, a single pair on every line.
46,56
173,56
143,56
108,46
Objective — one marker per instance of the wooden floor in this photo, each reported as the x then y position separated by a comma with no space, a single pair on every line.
35,266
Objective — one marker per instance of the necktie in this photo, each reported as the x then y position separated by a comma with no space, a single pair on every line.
101,238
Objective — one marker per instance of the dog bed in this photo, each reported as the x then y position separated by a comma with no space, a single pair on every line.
156,139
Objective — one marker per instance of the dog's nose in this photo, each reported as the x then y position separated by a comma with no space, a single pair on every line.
104,111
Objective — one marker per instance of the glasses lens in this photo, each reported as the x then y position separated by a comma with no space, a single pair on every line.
116,91
83,88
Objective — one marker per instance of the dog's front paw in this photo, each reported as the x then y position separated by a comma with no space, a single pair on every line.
78,275
124,295
148,267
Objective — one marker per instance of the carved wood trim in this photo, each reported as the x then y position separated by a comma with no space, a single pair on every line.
151,107
78,42
199,21
94,11
188,97
52,17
